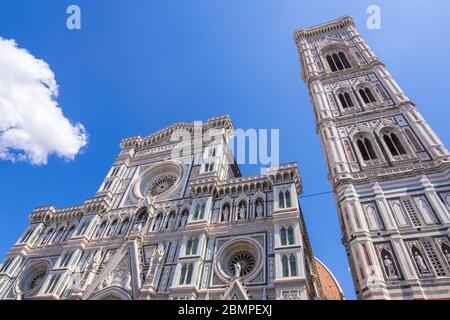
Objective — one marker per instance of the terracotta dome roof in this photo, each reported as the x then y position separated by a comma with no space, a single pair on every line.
330,286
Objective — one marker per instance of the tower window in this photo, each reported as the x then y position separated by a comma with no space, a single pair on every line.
191,246
338,61
366,149
393,143
186,273
199,211
346,100
289,265
287,235
284,199
367,95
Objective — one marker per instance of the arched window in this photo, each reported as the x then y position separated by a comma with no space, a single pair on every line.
283,238
338,61
344,60
346,100
186,273
191,246
366,149
189,273
293,265
290,233
393,143
281,200
367,95
287,195
197,211
285,265
331,64
112,228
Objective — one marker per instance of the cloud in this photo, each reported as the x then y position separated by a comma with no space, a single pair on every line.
32,125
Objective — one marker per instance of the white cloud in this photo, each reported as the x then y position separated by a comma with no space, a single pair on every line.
32,125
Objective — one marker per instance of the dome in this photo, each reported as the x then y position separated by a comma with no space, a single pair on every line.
331,288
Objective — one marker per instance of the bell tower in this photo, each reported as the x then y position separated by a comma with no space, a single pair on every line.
389,171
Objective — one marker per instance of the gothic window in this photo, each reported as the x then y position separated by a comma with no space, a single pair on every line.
367,95
346,100
112,228
52,283
366,149
290,235
283,237
124,227
200,211
209,167
281,200
284,199
338,61
47,236
287,195
289,265
393,143
331,64
186,273
191,246
69,233
212,152
100,229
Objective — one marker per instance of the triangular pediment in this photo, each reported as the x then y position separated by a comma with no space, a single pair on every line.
236,291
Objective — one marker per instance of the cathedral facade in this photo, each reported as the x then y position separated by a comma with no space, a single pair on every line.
389,171
173,225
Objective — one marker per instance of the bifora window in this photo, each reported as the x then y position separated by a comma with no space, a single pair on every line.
338,61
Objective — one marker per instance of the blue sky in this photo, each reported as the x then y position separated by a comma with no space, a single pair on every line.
138,66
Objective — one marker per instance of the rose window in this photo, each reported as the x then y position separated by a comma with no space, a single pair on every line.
245,259
161,184
36,279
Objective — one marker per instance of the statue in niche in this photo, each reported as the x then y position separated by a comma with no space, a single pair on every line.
157,223
225,213
390,268
183,220
237,270
259,209
242,210
420,262
171,221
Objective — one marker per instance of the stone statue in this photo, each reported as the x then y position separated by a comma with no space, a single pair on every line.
237,270
242,211
389,266
157,223
183,220
171,222
225,213
259,209
420,263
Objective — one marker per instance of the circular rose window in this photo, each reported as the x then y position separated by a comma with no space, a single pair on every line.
245,259
158,180
161,184
33,278
243,254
